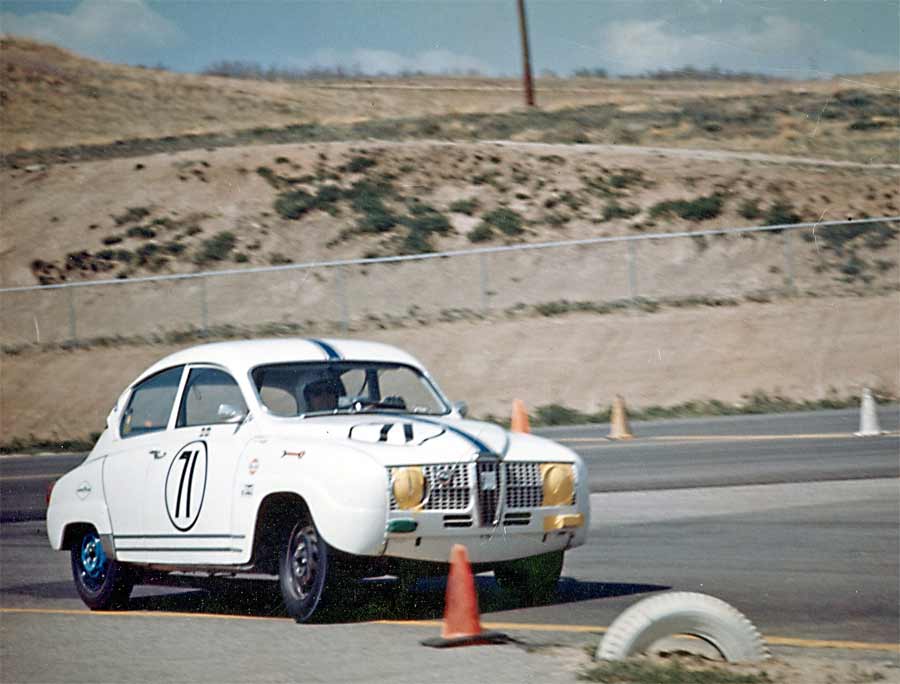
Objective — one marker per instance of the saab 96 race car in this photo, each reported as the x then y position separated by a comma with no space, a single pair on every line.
314,461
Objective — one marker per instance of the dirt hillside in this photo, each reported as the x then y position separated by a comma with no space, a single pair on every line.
119,172
809,349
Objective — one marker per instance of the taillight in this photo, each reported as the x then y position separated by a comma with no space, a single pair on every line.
50,490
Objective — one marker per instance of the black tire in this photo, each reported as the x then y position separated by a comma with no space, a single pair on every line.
101,582
307,572
531,580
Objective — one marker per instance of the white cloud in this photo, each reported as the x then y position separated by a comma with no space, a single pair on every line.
374,62
775,45
108,29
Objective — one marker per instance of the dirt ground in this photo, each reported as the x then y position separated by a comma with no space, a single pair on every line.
790,667
801,349
53,97
559,191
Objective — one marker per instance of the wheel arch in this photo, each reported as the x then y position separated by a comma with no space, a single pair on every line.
276,511
73,532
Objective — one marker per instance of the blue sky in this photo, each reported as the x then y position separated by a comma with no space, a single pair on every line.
791,38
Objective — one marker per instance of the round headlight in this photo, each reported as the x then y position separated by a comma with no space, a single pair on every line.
559,484
408,486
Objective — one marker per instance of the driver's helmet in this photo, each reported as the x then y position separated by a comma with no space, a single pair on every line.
324,385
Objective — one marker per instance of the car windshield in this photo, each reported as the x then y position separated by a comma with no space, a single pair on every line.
324,388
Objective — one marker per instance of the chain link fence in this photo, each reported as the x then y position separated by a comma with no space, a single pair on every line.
813,259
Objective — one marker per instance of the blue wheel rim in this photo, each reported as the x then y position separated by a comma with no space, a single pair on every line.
94,562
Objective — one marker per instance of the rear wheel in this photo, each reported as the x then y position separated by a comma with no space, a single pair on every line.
307,572
102,583
531,580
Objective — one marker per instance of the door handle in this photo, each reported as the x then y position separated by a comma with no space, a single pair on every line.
157,454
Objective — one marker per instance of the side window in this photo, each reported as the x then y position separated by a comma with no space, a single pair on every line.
150,404
210,396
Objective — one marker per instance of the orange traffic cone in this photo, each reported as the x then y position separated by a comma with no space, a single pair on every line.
618,427
519,422
462,624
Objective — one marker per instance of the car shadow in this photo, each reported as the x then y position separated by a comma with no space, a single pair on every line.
369,599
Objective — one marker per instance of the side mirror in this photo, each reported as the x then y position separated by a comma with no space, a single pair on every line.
461,407
230,413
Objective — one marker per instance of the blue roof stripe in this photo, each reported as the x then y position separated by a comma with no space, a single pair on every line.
474,441
327,348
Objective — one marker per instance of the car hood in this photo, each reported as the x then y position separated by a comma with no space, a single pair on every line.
407,439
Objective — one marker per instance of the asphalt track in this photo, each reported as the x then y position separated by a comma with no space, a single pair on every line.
787,517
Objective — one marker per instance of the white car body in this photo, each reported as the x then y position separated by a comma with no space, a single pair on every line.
131,488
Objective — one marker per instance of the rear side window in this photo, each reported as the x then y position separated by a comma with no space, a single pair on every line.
151,403
210,396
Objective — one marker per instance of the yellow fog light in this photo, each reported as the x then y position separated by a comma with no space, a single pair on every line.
559,483
408,486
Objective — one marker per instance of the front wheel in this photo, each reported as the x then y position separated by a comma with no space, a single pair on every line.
102,583
531,580
306,572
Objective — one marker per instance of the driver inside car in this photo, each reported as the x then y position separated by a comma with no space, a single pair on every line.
321,395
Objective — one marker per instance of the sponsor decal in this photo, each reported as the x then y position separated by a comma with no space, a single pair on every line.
253,466
84,489
247,490
295,454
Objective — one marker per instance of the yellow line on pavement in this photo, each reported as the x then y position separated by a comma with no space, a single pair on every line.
512,626
524,626
136,613
774,641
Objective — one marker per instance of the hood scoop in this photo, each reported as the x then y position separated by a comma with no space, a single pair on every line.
396,433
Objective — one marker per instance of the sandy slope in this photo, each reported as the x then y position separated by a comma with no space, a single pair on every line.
804,348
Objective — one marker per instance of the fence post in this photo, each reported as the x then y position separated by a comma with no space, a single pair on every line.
204,308
483,269
73,329
342,297
632,270
788,247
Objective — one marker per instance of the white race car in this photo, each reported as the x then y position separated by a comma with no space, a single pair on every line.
312,460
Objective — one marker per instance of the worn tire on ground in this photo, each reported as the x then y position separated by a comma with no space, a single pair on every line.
681,612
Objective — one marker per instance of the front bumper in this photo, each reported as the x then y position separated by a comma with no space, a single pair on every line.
547,530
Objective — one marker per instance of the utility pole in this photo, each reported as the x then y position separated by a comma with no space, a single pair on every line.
526,56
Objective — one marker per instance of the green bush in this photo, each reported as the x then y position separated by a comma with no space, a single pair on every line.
699,209
505,220
427,221
417,242
279,259
270,176
481,233
377,219
131,215
626,177
112,240
781,213
614,210
878,235
464,206
294,203
359,164
143,232
216,248
750,209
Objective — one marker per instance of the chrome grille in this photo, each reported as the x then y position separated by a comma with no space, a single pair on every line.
452,494
488,498
524,488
